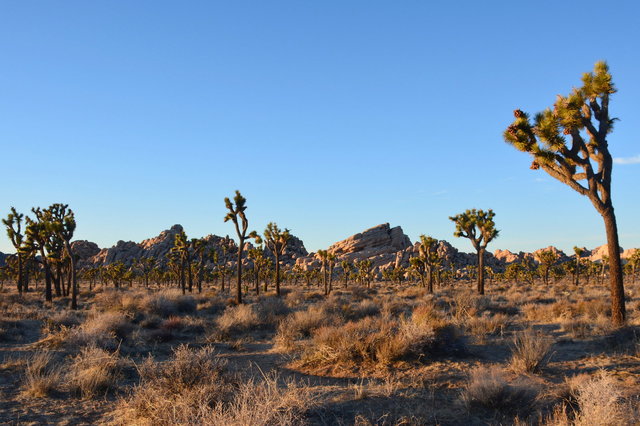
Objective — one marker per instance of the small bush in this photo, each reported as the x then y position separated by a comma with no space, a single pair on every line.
92,371
488,388
530,351
238,319
104,330
300,325
182,390
42,375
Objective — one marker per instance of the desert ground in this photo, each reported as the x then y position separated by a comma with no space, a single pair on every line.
390,354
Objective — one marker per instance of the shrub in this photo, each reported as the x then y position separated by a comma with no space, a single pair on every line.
488,388
92,371
300,325
103,330
42,375
238,319
530,351
182,390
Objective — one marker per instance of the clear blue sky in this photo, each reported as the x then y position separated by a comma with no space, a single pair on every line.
330,117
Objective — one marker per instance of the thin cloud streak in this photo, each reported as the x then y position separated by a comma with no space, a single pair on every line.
627,160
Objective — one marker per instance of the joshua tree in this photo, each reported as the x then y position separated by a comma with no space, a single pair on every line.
479,227
576,273
569,142
634,261
64,225
38,235
324,259
180,250
428,255
365,271
13,222
276,239
237,216
257,255
347,267
547,259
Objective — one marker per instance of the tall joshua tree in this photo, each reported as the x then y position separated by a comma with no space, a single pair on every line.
180,250
237,216
13,223
428,255
64,225
478,226
547,259
569,142
579,252
38,233
276,239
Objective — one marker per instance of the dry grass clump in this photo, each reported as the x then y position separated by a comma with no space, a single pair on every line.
104,330
92,371
263,402
488,388
467,304
271,310
179,391
238,319
531,351
300,325
377,342
11,330
42,375
595,400
487,324
168,303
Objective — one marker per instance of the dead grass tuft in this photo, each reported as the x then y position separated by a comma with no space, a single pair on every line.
42,375
92,371
531,351
488,388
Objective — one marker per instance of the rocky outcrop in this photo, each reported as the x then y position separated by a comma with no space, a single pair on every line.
562,257
295,250
380,244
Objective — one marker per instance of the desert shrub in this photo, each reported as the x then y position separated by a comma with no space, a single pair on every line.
42,375
238,319
104,330
295,298
271,309
376,341
63,319
92,371
300,325
168,303
178,391
468,304
530,351
365,308
595,400
487,324
489,389
263,402
577,328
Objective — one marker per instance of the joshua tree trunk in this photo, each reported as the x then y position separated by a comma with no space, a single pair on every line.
429,279
47,279
239,283
618,313
481,271
182,284
277,273
72,277
190,275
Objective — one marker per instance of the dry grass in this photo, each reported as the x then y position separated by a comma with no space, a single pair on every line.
300,325
92,372
238,319
104,330
488,388
193,387
42,375
531,351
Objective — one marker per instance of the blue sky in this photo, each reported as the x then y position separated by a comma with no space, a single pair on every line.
330,117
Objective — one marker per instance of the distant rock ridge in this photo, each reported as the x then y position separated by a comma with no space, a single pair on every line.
385,246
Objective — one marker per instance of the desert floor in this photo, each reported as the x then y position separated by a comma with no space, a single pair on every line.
392,354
